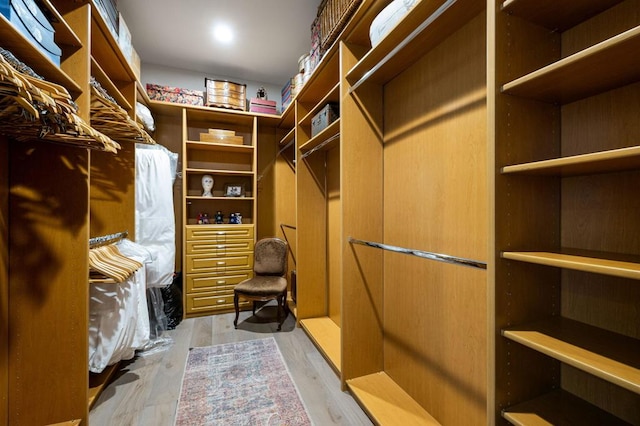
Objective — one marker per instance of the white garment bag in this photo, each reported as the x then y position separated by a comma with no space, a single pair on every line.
155,219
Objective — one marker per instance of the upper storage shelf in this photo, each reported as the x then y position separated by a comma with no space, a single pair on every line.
106,51
604,66
426,26
26,52
556,15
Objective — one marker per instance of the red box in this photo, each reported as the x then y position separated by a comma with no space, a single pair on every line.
175,95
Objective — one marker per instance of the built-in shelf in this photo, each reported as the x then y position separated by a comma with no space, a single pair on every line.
597,162
286,139
594,262
604,66
98,381
549,14
28,53
222,147
610,356
325,334
325,140
387,403
555,407
333,96
107,84
199,197
220,172
423,28
64,34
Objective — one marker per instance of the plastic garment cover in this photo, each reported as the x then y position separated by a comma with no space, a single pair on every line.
155,222
118,318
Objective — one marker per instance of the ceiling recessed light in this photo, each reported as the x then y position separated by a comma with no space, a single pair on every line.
223,33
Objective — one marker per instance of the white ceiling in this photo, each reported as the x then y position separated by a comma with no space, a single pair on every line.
270,35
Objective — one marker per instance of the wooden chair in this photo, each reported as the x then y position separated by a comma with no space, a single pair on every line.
268,282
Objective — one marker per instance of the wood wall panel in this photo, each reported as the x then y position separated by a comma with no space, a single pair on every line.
49,205
435,199
362,206
4,277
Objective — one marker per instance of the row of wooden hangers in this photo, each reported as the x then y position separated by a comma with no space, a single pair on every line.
107,263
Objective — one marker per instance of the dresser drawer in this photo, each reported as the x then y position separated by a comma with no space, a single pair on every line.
208,263
215,282
219,233
218,247
212,301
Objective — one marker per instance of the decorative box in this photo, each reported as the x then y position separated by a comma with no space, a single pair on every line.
225,94
27,17
327,115
175,95
222,136
263,106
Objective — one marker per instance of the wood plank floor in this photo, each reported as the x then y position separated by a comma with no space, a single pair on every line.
145,390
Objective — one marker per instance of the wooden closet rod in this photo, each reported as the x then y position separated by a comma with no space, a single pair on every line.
107,239
435,15
461,261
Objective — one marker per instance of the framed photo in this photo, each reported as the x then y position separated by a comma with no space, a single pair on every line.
234,190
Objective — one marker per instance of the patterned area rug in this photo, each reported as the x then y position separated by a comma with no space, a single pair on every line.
241,383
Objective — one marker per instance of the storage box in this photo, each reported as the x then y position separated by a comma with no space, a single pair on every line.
225,94
175,95
327,115
333,16
28,19
222,136
124,39
262,106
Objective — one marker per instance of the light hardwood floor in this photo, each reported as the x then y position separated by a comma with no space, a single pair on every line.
145,390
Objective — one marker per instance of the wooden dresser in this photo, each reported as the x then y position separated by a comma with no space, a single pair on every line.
217,258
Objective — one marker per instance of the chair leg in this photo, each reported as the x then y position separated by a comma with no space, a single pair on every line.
236,305
279,299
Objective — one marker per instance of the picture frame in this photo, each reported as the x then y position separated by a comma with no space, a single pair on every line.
234,190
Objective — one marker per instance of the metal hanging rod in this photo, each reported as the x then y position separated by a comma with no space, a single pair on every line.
284,225
423,254
107,239
435,15
320,146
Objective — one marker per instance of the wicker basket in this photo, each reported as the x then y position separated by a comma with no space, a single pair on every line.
333,16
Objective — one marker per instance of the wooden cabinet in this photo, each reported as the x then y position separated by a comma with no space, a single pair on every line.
54,198
217,258
567,169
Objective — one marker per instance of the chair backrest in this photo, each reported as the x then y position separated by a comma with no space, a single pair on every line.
270,257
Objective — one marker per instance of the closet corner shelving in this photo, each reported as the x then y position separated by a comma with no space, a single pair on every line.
567,165
217,256
92,195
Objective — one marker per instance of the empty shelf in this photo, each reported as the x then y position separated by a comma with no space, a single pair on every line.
597,265
387,403
326,335
610,356
555,408
596,162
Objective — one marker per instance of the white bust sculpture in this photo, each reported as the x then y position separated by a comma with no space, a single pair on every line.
207,185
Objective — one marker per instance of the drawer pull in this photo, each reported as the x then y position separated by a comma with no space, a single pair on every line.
222,246
221,301
222,282
221,263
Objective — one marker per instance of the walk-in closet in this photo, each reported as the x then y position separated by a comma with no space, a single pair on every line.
457,195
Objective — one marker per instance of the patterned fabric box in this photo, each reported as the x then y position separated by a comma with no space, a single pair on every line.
175,95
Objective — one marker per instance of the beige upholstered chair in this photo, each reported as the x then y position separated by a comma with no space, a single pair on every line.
268,282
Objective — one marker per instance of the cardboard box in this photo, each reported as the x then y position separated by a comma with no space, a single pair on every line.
327,115
175,95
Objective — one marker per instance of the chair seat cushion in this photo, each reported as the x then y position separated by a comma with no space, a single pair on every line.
262,285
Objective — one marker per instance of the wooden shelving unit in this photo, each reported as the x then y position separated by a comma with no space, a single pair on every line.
91,195
326,336
566,162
